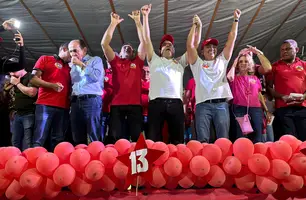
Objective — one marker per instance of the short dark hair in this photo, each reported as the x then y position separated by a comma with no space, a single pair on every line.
82,43
64,45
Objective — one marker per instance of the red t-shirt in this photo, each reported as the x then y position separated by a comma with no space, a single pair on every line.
191,86
145,96
54,71
127,81
107,91
288,78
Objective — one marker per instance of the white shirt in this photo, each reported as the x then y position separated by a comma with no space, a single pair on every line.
166,77
210,79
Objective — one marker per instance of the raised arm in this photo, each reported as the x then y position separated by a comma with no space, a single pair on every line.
265,66
108,35
229,45
231,73
193,40
141,48
145,10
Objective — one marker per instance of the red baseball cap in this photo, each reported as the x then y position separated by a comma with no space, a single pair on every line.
209,41
166,37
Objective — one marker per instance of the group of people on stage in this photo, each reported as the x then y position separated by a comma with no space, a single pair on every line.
125,98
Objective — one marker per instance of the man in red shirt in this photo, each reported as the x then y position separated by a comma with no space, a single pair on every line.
127,69
145,82
288,76
52,76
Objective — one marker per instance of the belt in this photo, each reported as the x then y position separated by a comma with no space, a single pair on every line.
83,97
215,100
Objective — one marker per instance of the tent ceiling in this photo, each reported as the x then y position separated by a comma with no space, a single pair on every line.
47,24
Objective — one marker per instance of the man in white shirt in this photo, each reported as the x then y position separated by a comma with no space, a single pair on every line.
212,91
166,87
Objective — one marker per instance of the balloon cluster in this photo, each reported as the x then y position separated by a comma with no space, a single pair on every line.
38,174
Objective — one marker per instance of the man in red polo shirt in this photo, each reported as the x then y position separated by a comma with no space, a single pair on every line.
127,70
287,84
52,76
145,85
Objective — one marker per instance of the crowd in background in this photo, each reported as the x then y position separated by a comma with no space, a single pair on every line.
71,96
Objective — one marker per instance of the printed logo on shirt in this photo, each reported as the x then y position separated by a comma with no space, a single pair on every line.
253,81
205,66
299,68
106,79
133,66
58,65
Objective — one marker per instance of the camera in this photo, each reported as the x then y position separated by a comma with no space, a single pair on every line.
16,39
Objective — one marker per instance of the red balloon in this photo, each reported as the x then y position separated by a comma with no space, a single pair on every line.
266,185
293,183
279,169
5,180
243,149
6,153
259,164
226,147
108,157
94,170
107,184
32,154
301,146
122,146
51,190
80,187
245,180
47,163
141,181
163,147
15,191
31,179
172,150
64,175
232,165
200,182
173,167
299,165
216,176
36,193
199,166
195,147
79,159
133,144
187,179
159,177
183,154
281,150
63,151
95,148
261,148
120,170
81,146
212,153
291,140
16,165
229,181
172,183
149,143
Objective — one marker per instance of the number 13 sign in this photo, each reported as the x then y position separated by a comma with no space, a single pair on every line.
140,160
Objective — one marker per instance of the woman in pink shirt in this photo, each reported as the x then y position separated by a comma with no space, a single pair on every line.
246,89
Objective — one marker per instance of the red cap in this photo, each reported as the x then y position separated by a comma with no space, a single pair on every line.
209,41
166,37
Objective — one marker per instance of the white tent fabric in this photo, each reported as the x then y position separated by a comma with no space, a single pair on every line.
47,24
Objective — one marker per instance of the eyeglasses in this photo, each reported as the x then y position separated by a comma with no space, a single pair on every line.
73,50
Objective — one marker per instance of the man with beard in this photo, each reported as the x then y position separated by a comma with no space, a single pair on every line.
212,89
166,87
287,84
127,70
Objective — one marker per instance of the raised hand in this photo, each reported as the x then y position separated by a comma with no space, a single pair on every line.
196,20
19,41
135,15
115,18
146,9
14,80
254,50
237,14
9,24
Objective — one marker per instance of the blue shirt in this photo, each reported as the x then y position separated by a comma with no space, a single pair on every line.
91,79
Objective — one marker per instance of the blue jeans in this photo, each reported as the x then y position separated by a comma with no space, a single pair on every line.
269,136
22,129
256,119
49,122
218,113
86,120
105,123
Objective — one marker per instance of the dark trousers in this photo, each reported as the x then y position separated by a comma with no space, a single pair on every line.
256,119
86,119
105,123
23,127
124,117
145,124
170,110
50,122
290,120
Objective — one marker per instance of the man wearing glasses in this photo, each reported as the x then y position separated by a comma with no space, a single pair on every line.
87,77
